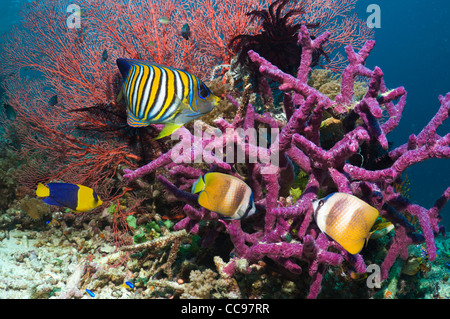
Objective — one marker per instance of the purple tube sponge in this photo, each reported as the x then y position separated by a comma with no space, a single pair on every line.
287,234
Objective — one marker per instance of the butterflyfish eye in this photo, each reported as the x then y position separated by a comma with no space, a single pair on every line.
320,204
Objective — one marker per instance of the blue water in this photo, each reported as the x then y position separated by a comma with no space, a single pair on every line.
413,50
8,13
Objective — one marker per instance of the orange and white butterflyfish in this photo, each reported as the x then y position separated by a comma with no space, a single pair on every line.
225,194
346,219
76,197
158,94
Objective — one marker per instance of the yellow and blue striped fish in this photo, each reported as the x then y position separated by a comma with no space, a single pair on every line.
225,194
158,94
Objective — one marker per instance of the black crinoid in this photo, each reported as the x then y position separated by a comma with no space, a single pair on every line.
277,41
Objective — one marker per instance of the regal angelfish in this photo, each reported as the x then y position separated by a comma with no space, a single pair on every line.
346,219
158,94
225,194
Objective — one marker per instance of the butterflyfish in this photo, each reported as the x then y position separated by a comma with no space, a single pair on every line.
225,194
158,94
76,197
346,219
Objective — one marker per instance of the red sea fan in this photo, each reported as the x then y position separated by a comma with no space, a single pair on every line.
81,138
43,57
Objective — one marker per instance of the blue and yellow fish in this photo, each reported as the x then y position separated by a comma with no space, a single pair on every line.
77,197
90,293
128,285
158,94
346,219
225,194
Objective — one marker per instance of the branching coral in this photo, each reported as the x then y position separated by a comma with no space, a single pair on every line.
203,284
288,235
160,243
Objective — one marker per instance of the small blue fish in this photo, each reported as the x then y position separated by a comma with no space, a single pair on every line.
129,284
53,100
105,55
9,112
186,31
90,293
423,251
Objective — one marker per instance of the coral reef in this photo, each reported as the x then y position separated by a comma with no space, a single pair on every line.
201,284
8,170
317,133
286,234
277,41
48,264
62,81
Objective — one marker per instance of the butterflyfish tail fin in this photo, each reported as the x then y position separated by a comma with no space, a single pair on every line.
42,190
366,241
199,185
168,129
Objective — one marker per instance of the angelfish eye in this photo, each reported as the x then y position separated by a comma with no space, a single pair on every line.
204,91
320,204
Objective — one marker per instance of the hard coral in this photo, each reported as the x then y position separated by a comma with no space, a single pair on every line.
34,208
201,285
287,234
